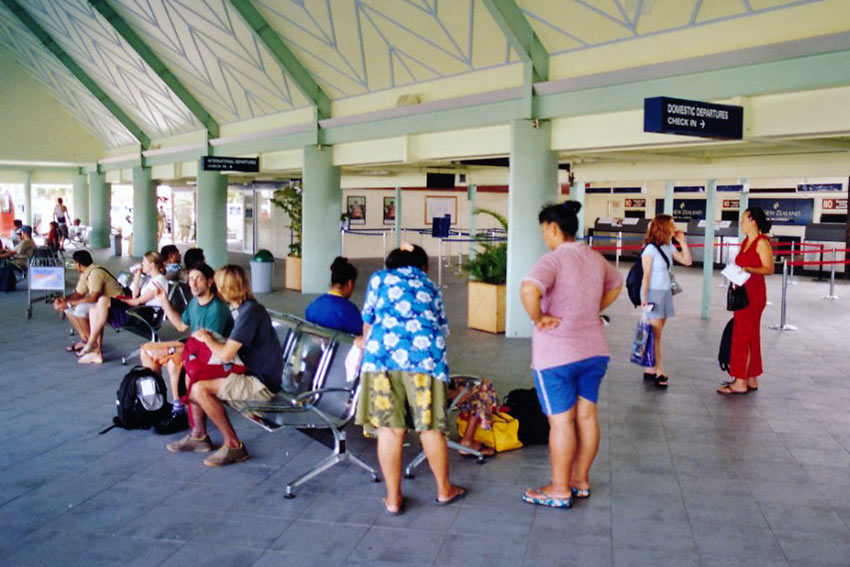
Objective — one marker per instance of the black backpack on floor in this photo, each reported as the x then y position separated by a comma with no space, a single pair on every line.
8,282
725,350
533,423
141,400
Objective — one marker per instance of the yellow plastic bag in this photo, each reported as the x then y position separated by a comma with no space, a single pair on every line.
502,436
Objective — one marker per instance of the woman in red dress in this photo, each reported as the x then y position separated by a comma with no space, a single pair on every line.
755,257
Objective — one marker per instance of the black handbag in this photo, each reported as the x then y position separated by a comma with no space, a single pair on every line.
736,298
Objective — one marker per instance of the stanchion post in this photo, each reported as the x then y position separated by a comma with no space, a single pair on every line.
342,241
820,268
590,241
439,262
791,273
782,309
831,294
384,242
619,249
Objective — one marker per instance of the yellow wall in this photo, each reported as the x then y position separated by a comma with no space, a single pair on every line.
35,126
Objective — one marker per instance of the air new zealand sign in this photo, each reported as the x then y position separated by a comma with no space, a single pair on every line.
667,115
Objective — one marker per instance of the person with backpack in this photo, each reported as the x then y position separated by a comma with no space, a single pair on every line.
656,288
255,341
115,310
205,311
563,296
755,258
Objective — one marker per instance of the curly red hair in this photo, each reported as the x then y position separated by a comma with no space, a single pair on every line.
660,230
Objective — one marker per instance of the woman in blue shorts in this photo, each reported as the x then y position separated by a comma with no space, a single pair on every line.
563,295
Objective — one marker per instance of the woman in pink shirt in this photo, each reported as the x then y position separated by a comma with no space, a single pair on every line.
563,295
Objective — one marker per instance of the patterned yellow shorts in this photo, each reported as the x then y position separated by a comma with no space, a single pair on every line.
394,398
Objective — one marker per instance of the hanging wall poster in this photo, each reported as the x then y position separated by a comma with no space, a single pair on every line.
440,207
356,206
389,210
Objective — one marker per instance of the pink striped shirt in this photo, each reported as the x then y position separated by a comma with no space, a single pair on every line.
572,278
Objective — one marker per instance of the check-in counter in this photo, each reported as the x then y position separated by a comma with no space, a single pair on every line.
829,235
725,233
631,233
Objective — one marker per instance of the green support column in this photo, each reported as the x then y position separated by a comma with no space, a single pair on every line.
743,204
533,181
144,212
470,194
100,215
668,199
577,194
708,251
80,205
28,199
398,223
212,216
322,201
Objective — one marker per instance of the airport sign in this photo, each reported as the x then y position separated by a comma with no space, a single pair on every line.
666,115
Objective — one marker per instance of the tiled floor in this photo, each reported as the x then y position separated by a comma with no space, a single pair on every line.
683,477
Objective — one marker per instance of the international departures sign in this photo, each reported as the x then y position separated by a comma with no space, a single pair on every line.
221,163
667,115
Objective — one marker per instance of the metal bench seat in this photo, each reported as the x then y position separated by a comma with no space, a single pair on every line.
317,398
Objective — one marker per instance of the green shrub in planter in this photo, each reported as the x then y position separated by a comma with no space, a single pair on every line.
490,264
289,199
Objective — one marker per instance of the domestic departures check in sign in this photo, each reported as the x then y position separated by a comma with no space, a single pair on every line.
667,115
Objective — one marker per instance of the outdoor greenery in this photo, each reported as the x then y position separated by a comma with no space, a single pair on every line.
289,199
490,264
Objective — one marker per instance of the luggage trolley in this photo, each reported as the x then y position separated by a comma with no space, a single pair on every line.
46,273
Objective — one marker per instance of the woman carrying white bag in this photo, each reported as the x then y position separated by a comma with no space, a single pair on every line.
658,286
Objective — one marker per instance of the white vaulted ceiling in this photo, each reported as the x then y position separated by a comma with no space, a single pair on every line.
350,47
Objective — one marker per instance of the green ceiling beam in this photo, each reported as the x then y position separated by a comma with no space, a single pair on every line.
155,63
77,71
521,36
821,71
291,65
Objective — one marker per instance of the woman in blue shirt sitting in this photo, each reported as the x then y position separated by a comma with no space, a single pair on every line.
333,309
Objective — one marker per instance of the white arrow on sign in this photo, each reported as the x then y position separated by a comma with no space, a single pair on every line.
702,123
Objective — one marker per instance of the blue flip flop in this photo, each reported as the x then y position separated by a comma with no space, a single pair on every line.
580,493
546,500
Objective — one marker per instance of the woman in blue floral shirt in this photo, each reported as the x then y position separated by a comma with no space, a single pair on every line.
405,370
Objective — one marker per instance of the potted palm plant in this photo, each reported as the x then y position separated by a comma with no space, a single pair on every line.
289,199
487,273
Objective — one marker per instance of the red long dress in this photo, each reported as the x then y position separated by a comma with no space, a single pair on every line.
746,336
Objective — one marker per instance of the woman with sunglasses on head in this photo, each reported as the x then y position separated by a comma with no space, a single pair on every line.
656,288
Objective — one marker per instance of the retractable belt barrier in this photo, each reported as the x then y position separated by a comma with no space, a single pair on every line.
783,325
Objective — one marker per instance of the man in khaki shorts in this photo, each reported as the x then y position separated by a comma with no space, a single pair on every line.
95,282
205,311
254,339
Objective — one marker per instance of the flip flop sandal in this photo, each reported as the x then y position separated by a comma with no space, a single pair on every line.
661,381
76,347
398,512
730,392
546,500
460,494
84,351
580,493
484,450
